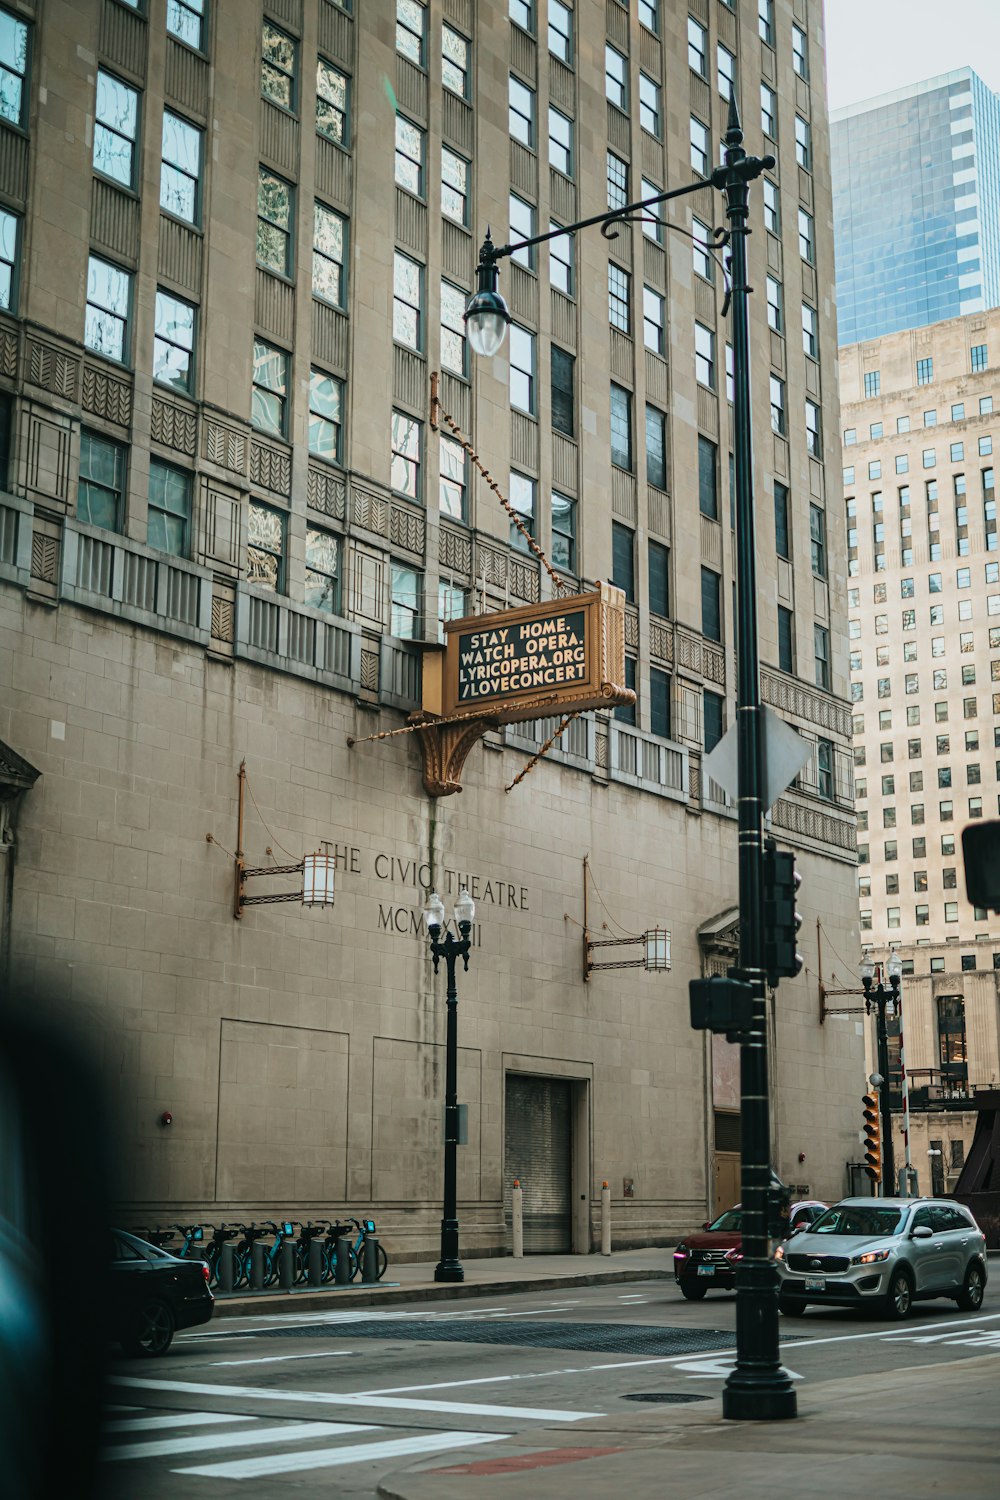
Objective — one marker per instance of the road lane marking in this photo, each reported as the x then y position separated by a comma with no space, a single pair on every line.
356,1453
255,1437
356,1398
277,1359
173,1419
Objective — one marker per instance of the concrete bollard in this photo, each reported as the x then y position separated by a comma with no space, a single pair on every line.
257,1267
369,1262
517,1220
343,1259
226,1268
286,1266
315,1268
605,1219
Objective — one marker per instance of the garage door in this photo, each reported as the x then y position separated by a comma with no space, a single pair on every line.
537,1151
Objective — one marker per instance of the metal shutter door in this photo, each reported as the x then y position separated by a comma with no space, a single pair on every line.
537,1152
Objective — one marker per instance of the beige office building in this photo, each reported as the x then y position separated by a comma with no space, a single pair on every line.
920,412
237,241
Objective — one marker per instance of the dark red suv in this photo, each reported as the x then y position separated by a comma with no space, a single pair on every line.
710,1257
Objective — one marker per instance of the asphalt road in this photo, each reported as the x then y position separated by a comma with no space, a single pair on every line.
328,1403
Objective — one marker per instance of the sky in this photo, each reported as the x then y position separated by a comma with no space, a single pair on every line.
874,46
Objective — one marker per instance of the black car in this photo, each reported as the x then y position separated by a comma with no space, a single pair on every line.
153,1294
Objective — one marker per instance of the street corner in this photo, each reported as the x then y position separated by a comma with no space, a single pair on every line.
543,1467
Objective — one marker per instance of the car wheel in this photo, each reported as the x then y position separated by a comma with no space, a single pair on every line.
153,1330
792,1307
692,1290
899,1298
970,1298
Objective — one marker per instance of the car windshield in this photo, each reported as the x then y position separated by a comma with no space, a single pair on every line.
856,1220
731,1220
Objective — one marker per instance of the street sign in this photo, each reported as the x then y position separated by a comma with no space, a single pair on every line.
785,753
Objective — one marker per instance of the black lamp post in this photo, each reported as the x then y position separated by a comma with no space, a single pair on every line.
881,997
451,949
758,1388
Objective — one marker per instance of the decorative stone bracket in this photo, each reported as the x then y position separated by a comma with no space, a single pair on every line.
444,747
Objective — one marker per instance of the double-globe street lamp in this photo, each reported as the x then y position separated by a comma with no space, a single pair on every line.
882,998
451,949
758,1387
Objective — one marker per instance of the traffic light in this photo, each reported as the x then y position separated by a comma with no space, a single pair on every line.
781,920
873,1138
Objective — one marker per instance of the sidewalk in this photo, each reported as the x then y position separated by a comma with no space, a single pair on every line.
901,1435
495,1275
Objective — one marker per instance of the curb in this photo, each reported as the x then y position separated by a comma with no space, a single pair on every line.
234,1306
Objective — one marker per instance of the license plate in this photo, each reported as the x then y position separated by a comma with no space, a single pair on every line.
706,1270
816,1284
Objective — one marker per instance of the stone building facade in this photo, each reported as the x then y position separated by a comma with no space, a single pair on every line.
239,239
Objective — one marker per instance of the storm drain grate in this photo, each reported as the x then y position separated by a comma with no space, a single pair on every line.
666,1398
596,1338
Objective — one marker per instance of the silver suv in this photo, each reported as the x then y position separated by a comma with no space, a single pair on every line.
887,1252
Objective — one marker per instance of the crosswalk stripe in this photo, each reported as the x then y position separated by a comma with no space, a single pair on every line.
330,1458
359,1398
173,1419
252,1438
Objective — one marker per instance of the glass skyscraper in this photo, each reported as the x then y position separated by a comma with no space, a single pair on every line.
916,206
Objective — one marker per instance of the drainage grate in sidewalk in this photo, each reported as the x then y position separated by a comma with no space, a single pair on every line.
666,1398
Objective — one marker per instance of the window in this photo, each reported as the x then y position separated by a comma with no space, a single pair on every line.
404,469
800,52
563,366
929,457
619,298
329,233
649,15
560,142
925,371
454,62
699,147
409,156
775,305
173,341
621,427
956,452
274,223
704,355
452,482
453,346
708,487
168,526
985,446
185,19
902,463
807,243
821,654
653,320
269,404
703,262
563,531
407,301
521,112
658,561
946,811
711,608
713,715
10,237
116,117
772,207
322,582
522,370
810,331
697,48
725,71
109,299
659,703
975,807
405,602
977,358
803,143
411,21
560,31
623,559
768,111
786,651
331,102
180,169
278,66
782,543
814,439
652,223
326,404
930,418
656,448
561,261
101,491
267,546
616,75
765,21
650,106
958,411
522,498
617,181
522,227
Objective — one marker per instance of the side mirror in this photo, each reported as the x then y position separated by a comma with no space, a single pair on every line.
981,853
797,1228
922,1232
707,1224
